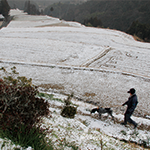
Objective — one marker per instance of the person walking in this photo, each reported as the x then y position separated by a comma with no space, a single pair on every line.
131,105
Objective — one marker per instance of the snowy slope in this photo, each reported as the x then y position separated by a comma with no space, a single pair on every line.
86,131
98,65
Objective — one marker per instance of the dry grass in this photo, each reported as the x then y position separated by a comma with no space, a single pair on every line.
89,94
51,86
56,24
137,38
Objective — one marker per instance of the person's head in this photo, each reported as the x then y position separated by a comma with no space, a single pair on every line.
131,91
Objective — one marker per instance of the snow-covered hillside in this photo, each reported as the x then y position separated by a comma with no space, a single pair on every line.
88,132
98,65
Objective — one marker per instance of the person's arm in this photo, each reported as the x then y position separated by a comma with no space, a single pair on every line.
125,103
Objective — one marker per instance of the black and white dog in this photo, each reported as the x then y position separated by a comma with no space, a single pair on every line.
101,111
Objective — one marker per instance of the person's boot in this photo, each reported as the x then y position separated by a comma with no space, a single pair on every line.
135,126
123,123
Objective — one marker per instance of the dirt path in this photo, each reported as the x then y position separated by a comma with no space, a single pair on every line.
67,67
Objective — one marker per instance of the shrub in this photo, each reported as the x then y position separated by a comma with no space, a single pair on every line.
34,137
69,111
21,111
18,102
68,100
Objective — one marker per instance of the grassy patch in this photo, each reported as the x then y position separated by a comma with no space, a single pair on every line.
50,96
26,137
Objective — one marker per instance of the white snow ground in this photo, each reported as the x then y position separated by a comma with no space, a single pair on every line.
98,65
81,59
86,131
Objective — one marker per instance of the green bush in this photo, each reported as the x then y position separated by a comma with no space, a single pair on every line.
69,111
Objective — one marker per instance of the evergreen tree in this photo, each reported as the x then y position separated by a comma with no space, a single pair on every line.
140,30
4,8
31,9
95,22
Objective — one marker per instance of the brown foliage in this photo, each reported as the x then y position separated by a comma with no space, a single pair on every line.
18,102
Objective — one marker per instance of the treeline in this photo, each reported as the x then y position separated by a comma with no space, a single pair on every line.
31,8
4,8
114,14
131,16
28,6
140,30
16,4
93,21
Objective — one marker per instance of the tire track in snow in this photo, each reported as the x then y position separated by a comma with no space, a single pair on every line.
113,71
99,56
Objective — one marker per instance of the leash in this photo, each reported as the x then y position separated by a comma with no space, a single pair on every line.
112,106
116,106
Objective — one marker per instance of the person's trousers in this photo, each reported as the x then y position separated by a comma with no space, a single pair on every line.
127,118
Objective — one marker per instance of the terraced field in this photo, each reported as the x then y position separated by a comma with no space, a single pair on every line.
98,65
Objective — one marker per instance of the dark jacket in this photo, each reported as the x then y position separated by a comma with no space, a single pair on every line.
131,104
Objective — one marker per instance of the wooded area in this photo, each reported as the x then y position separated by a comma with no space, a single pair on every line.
117,14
